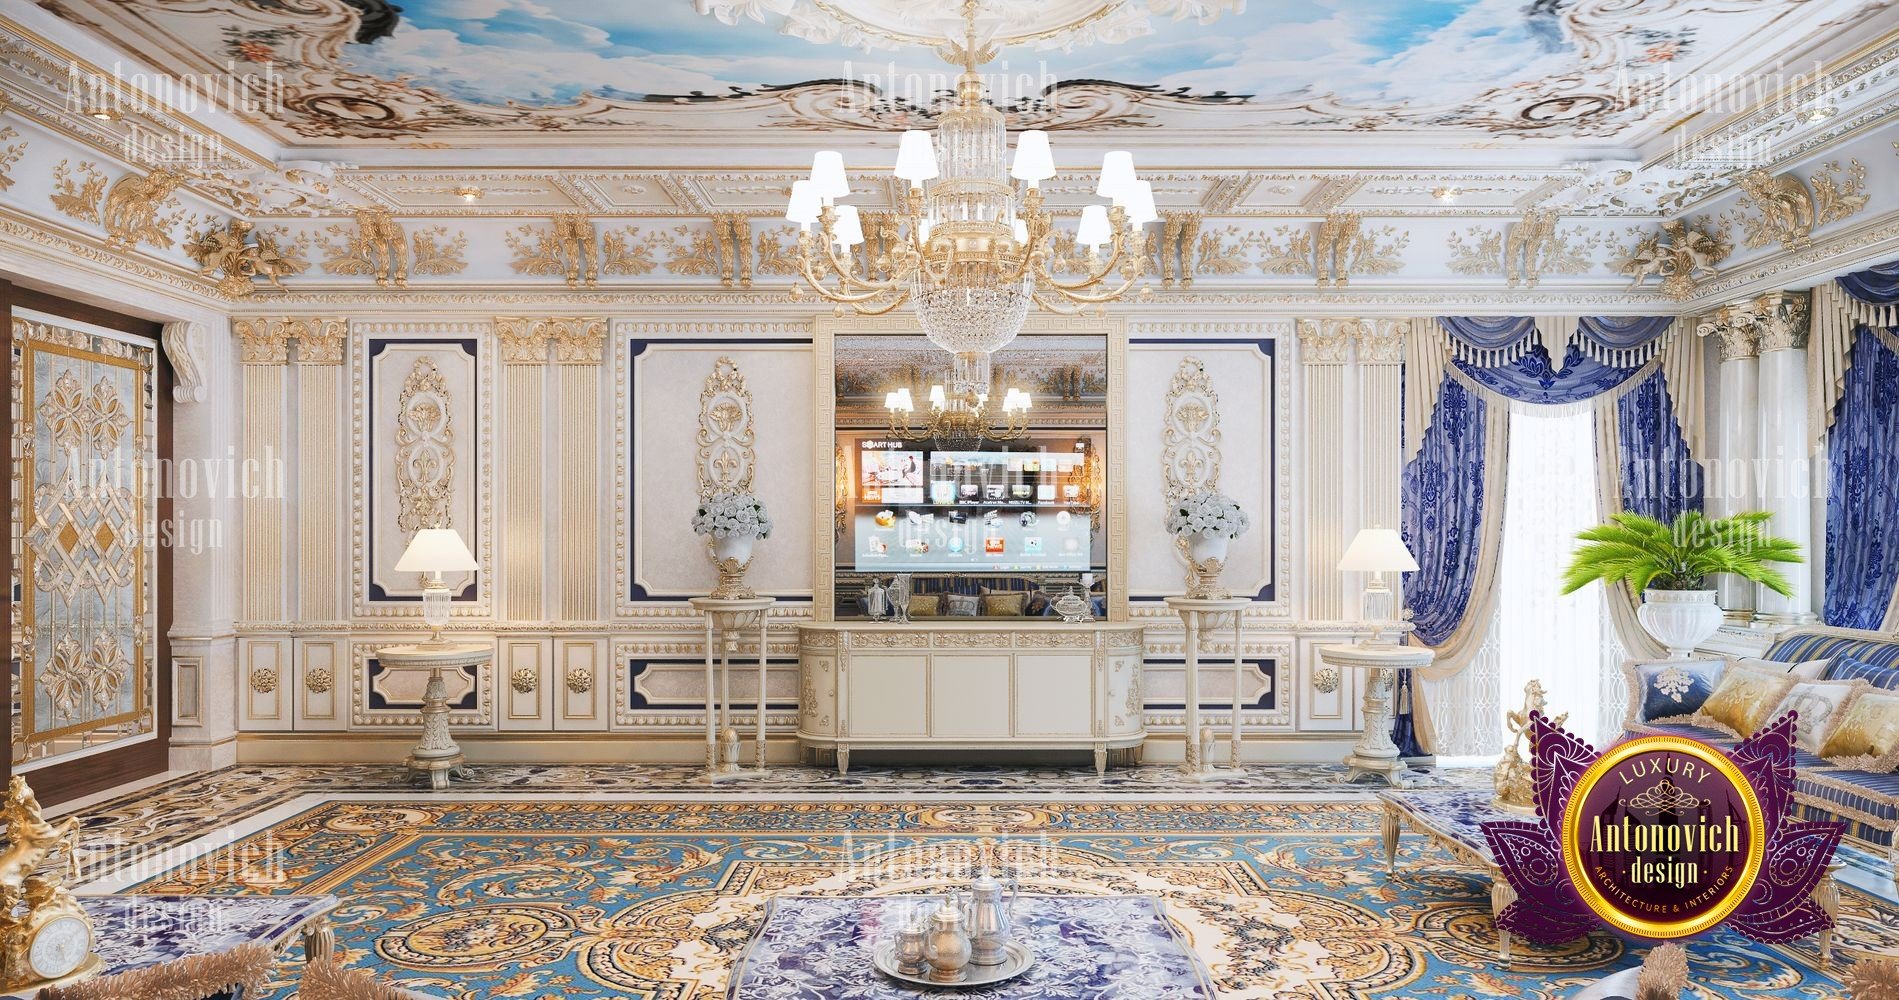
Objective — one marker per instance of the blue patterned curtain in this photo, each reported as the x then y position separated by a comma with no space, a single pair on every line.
1659,477
1443,513
1488,333
1862,511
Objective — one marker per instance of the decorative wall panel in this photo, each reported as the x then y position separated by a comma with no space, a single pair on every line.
85,433
423,407
658,555
1243,374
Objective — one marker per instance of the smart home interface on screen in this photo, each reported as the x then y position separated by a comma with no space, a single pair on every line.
923,510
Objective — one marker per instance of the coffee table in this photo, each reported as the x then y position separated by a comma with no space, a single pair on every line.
820,947
138,932
1454,821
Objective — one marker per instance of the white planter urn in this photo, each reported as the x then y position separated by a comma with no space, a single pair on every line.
1679,619
731,556
1205,545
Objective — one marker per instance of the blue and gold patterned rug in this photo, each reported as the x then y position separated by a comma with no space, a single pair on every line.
553,900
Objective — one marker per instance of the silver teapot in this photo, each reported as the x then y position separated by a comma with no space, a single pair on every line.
988,917
948,948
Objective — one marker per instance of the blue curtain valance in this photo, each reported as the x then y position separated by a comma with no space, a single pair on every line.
1877,285
1531,378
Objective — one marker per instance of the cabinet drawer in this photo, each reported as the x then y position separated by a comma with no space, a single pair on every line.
887,694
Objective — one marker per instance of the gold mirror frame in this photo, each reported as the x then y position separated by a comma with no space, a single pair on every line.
826,330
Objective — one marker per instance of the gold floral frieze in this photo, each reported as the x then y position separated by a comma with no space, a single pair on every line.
1683,255
237,257
9,154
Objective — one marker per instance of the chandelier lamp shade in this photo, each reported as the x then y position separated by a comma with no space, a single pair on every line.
972,247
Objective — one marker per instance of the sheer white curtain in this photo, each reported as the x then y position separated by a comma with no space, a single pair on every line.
1543,634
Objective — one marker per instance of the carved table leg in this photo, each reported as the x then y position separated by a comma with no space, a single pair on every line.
1827,896
319,941
1501,895
1393,829
1101,761
843,761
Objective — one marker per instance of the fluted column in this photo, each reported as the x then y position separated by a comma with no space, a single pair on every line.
1730,480
1324,350
1786,477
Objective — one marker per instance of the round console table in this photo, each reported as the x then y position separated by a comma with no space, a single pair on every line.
726,621
1375,754
1208,614
437,756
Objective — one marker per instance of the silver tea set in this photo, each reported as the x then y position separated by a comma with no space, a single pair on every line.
967,938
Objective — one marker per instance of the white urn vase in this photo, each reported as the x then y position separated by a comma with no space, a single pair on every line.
1679,619
1205,545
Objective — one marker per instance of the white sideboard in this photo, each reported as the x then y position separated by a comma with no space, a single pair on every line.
977,685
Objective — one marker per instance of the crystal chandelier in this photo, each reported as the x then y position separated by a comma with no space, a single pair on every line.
958,418
965,249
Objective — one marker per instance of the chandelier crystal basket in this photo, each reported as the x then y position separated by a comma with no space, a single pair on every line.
968,250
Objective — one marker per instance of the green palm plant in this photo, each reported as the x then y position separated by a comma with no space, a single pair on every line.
1680,556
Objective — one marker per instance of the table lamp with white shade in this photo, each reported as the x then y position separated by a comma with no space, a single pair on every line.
1378,551
436,551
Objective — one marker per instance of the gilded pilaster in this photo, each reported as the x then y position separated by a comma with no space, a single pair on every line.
322,522
1325,347
579,349
264,350
525,536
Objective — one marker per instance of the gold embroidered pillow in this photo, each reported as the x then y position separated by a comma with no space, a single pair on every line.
925,605
1000,605
1867,738
1745,699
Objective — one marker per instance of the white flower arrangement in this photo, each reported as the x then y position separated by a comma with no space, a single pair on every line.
729,515
1208,511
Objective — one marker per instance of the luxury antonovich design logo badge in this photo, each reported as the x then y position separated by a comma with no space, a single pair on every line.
1663,837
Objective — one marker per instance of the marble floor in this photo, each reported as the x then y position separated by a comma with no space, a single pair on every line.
642,881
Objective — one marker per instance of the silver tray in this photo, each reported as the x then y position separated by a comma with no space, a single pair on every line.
1018,961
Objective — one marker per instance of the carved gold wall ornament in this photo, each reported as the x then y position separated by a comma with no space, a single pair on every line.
238,257
374,247
1292,256
263,680
1381,342
1681,255
1327,341
319,680
1785,210
438,253
319,341
1838,198
1180,232
1326,680
9,155
580,680
78,197
1345,247
726,438
733,232
425,453
624,252
132,210
1220,252
1527,246
262,341
576,340
568,248
1190,433
524,680
1475,251
776,251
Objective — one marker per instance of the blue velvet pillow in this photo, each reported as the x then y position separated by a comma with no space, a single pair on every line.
1673,688
1846,668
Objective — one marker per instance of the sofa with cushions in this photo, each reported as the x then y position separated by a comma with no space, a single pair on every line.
1845,685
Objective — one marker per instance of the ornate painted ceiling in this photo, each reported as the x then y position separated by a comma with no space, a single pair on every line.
498,73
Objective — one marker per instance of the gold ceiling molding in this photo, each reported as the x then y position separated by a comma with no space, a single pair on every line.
9,154
1783,209
1179,235
135,210
238,257
576,340
1346,247
1525,250
568,247
733,231
1682,255
573,249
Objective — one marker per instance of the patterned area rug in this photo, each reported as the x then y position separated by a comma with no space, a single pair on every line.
550,900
